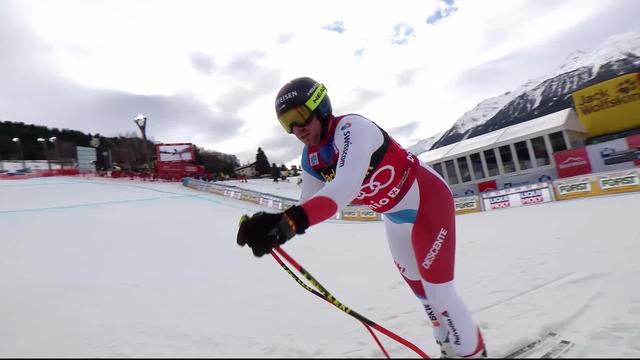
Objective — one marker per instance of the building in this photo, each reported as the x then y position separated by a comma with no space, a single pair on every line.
248,170
600,133
512,156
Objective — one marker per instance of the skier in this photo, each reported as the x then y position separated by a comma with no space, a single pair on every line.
349,159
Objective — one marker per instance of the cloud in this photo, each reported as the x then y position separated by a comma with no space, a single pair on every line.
204,63
360,97
405,130
280,147
31,92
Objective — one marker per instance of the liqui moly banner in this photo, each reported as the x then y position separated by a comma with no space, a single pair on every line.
518,196
572,162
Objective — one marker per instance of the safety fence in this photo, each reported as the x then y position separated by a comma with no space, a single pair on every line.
526,195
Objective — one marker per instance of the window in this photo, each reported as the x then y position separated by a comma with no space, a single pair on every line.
451,171
557,141
463,165
438,168
507,159
522,151
492,162
540,151
476,164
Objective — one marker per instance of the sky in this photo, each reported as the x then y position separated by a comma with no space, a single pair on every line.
109,268
207,72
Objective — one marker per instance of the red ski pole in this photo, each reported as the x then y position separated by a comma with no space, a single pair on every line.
324,294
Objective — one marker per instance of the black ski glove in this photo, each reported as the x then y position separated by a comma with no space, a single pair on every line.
263,230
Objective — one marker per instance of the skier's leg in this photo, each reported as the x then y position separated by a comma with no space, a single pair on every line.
434,242
398,227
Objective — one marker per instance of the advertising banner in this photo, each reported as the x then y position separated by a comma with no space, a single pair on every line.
489,185
609,106
572,162
234,194
350,214
634,146
468,204
271,202
251,197
620,182
574,188
610,156
367,214
518,196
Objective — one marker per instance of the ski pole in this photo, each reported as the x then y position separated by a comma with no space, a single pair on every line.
326,295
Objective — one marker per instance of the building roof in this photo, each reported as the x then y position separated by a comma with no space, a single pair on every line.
246,166
561,120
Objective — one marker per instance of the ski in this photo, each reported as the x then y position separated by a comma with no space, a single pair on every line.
534,345
558,349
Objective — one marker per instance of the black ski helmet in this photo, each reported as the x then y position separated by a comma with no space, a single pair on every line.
299,91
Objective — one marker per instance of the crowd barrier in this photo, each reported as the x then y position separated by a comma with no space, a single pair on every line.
357,213
526,195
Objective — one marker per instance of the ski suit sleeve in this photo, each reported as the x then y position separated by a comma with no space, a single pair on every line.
310,185
356,139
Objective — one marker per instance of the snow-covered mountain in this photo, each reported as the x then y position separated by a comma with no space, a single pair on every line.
618,55
424,144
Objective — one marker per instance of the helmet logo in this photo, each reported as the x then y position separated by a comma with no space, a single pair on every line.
316,97
286,97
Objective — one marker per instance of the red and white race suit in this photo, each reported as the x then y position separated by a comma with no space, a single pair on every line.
359,163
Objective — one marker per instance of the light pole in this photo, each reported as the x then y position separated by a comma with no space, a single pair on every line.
43,141
55,146
141,121
17,141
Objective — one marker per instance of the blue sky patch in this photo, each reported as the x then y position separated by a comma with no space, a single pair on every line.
337,26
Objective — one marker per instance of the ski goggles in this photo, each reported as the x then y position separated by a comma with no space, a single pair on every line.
301,115
298,116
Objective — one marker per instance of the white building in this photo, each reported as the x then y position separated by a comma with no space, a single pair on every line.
512,156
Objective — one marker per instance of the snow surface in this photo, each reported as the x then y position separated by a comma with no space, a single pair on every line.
118,268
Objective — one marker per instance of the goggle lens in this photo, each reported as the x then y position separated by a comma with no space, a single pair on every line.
299,115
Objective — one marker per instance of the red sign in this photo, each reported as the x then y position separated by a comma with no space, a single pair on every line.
634,144
490,185
572,162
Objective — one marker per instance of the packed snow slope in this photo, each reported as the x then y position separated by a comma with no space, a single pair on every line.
118,268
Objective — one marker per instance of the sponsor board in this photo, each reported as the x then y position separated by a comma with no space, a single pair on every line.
572,162
233,194
531,197
367,214
270,202
498,202
571,190
616,99
216,190
250,197
350,214
614,183
359,214
520,196
467,204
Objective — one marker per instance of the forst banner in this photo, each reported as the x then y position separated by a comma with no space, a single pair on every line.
609,106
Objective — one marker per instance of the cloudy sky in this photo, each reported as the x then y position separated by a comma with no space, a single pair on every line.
207,72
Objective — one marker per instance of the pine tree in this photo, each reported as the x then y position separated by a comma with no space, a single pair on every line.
262,163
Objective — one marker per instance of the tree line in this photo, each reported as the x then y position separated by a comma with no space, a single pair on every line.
126,151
